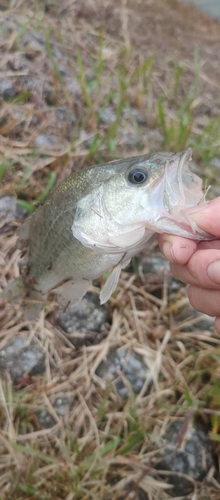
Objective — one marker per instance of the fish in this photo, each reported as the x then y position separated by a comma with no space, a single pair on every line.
97,219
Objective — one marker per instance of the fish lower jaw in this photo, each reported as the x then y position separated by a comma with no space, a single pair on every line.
184,229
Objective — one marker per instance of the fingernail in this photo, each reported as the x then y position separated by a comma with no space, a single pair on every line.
213,271
168,251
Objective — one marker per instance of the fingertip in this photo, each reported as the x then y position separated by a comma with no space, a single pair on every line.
182,250
167,250
176,249
207,216
165,242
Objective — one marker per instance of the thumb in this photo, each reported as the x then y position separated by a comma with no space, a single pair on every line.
207,216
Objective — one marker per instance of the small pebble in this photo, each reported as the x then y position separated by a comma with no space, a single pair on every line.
19,359
10,209
88,315
132,367
107,116
192,457
61,406
84,322
64,115
7,89
49,94
47,142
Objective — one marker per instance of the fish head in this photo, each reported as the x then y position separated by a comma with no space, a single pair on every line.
143,196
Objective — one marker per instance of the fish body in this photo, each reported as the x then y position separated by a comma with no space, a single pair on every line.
99,218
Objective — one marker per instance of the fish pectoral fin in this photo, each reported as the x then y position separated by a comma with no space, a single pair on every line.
110,284
125,263
70,292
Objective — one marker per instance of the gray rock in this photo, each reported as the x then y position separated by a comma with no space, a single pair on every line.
192,457
35,120
10,209
38,38
17,62
33,84
129,139
64,115
19,359
155,269
7,207
20,117
154,264
64,71
130,113
7,89
154,139
45,419
20,212
86,138
122,366
140,119
193,319
61,406
107,116
87,316
47,142
40,88
32,41
73,86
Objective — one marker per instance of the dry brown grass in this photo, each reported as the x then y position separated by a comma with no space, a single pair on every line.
102,444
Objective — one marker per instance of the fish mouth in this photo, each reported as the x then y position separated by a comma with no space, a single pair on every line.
182,191
182,188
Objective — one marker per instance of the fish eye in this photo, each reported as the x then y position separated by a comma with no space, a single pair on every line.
137,175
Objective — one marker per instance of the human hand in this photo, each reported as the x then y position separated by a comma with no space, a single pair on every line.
198,263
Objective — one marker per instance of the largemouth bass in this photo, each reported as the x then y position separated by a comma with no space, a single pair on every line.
97,219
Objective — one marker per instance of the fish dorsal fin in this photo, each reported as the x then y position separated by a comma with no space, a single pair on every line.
110,284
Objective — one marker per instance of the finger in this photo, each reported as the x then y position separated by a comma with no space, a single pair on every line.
202,270
207,216
209,245
205,301
176,249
